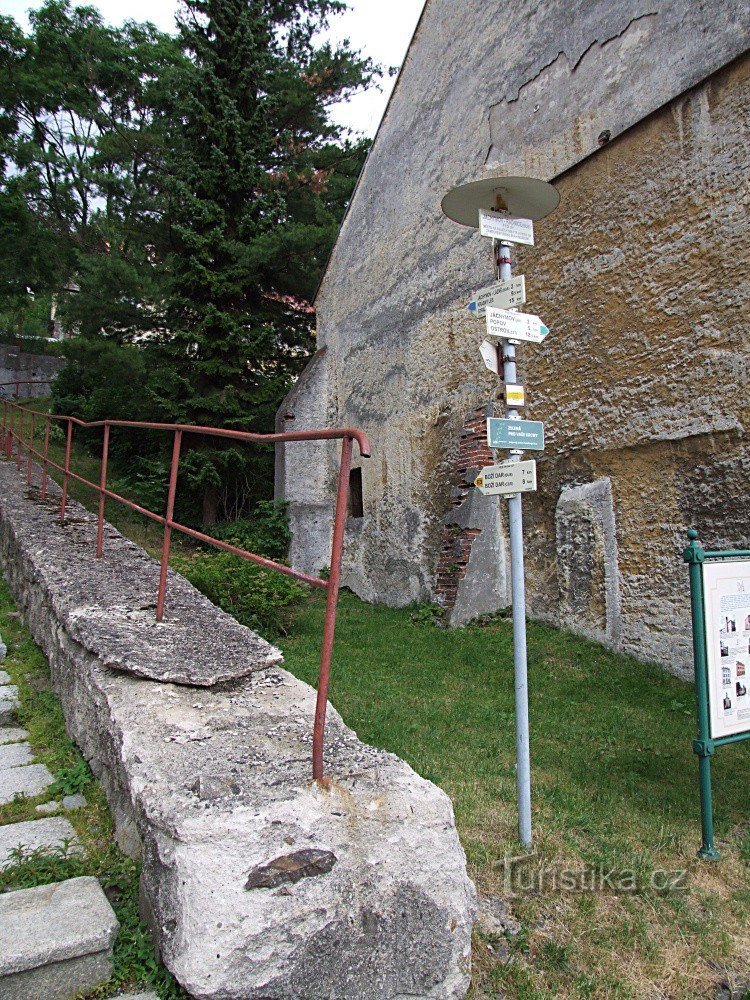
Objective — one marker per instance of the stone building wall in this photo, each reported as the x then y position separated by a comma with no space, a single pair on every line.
19,366
641,274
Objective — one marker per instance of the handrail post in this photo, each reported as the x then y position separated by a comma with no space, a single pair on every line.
19,438
332,597
166,545
102,488
8,442
66,475
31,449
43,490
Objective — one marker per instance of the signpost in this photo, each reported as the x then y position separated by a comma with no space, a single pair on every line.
720,604
515,326
507,478
501,295
504,209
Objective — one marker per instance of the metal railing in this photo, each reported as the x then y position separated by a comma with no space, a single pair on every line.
17,420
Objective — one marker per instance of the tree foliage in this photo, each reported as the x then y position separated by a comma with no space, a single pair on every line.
181,193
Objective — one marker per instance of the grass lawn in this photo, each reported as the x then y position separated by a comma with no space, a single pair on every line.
614,791
614,785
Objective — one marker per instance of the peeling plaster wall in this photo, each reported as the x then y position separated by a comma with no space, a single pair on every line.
642,275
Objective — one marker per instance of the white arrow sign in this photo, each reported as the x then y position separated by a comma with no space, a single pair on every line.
502,295
507,478
500,226
515,326
489,356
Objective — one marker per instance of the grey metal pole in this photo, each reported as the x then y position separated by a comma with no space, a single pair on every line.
518,589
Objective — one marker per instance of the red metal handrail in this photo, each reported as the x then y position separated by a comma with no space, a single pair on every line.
14,423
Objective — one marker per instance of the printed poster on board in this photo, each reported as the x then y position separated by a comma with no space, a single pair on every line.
726,598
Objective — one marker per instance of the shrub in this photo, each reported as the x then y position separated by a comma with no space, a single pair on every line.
267,534
260,598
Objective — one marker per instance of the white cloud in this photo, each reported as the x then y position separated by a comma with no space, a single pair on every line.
381,29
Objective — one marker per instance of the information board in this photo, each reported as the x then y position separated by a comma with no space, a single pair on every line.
726,607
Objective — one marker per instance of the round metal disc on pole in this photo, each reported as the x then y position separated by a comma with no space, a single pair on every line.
524,197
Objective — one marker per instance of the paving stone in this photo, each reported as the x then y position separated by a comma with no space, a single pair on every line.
136,996
4,677
55,940
8,703
10,734
30,780
15,754
48,807
76,801
3,650
36,834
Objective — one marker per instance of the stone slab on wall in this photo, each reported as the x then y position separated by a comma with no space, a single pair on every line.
20,366
257,881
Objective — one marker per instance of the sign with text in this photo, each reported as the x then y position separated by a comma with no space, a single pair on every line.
523,435
726,601
500,226
515,326
507,478
502,295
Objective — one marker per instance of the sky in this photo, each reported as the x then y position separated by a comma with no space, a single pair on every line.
381,29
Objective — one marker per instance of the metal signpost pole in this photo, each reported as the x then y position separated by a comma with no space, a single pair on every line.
518,588
505,208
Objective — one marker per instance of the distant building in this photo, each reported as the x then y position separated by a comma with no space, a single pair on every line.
638,113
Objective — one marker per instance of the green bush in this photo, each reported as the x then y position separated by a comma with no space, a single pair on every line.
260,598
267,534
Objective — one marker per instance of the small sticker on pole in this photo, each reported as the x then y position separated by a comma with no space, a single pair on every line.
515,395
507,478
509,228
506,325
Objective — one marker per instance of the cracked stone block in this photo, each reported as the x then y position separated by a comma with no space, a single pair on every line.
10,734
34,835
30,780
15,754
4,677
8,703
55,940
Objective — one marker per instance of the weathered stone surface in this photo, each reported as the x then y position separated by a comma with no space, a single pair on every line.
34,835
8,704
20,366
111,610
4,677
645,376
10,734
210,786
76,801
30,780
55,940
587,561
48,807
14,754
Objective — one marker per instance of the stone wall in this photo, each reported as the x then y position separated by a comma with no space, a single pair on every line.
642,275
19,366
257,881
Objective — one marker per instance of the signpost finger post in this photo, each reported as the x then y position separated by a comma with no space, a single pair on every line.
504,209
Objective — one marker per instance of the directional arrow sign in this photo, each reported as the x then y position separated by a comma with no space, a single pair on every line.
506,227
525,435
507,478
501,295
515,326
489,356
